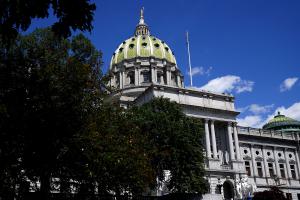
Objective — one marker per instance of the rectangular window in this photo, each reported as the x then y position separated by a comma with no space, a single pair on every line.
282,172
293,172
248,168
259,169
289,196
298,195
146,77
271,169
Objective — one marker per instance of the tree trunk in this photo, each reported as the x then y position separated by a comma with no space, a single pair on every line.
45,186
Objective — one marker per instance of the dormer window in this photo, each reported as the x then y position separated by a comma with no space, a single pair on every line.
144,44
131,46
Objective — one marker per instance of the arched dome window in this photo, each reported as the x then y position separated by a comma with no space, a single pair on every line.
144,44
131,46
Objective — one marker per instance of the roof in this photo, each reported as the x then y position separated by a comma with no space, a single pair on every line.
282,122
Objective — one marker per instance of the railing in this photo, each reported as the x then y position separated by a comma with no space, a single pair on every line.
265,133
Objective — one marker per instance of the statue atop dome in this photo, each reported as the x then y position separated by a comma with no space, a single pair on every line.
142,28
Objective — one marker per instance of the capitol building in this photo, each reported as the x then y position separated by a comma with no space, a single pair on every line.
144,67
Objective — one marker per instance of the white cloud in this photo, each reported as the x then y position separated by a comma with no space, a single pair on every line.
200,71
257,109
228,83
257,121
293,111
288,83
250,121
244,86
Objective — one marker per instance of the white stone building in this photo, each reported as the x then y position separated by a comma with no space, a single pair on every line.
144,67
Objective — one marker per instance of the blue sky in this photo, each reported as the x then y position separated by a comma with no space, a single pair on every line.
250,48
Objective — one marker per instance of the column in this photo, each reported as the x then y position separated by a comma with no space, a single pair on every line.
253,161
276,163
168,76
236,142
120,79
288,169
230,142
123,79
178,81
207,140
213,138
152,75
136,76
139,76
155,74
297,167
266,167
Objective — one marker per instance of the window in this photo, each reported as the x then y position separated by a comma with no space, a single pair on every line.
144,44
146,77
160,78
259,169
131,46
289,196
268,153
130,77
156,45
271,169
282,173
248,168
293,172
298,195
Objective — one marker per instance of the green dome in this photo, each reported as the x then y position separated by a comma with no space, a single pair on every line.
143,46
281,122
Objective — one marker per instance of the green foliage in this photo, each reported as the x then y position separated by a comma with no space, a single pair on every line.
174,143
17,15
48,86
273,194
55,124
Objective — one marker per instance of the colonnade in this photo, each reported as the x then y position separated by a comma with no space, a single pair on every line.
152,70
210,139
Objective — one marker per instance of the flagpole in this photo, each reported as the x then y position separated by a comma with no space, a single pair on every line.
189,56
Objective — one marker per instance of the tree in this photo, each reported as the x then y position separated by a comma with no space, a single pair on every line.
273,194
17,15
174,144
48,87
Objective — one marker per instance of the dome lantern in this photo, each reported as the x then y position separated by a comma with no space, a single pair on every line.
142,28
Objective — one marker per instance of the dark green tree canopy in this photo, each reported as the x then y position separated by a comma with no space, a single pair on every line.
174,144
273,194
17,15
48,87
